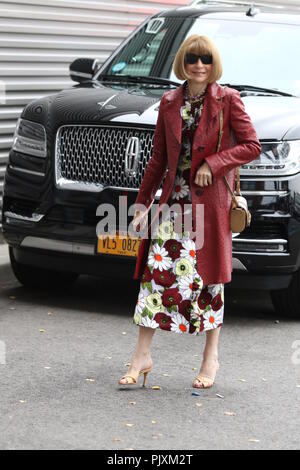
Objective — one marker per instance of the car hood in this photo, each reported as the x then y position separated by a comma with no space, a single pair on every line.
274,117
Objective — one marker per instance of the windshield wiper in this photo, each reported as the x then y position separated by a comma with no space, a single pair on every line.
139,79
256,88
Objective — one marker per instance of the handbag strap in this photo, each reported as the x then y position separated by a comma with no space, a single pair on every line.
237,169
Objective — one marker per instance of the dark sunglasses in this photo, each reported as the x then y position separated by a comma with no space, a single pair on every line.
191,58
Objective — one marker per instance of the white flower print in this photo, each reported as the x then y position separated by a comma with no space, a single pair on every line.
186,234
149,323
180,189
185,113
212,319
141,302
188,250
199,281
165,230
185,286
158,258
179,324
214,289
183,267
196,311
137,318
154,302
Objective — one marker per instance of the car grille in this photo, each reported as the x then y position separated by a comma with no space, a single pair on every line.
95,155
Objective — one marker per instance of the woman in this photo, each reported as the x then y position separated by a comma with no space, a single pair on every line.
182,284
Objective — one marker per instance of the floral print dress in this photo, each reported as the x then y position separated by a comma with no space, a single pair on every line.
172,295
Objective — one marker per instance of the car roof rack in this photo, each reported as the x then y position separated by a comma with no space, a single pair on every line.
279,6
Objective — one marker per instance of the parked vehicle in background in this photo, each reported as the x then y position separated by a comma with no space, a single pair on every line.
90,144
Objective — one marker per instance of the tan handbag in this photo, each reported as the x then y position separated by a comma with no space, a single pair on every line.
240,217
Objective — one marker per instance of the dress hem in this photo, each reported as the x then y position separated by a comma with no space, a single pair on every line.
194,333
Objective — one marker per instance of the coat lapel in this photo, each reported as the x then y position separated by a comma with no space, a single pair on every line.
212,105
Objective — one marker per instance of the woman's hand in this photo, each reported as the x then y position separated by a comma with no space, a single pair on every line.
203,175
140,217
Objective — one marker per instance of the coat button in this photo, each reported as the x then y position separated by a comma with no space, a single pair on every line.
201,147
199,192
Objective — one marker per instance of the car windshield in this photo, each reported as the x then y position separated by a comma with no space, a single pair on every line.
256,53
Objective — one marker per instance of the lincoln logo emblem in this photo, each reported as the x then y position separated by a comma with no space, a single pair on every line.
132,156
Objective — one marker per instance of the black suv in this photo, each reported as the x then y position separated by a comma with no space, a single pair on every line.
88,145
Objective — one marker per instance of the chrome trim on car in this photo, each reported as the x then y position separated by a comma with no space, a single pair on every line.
23,170
79,166
277,246
58,245
34,217
260,253
87,249
258,178
256,240
238,265
265,193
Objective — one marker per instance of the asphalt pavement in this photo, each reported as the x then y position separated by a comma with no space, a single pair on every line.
61,354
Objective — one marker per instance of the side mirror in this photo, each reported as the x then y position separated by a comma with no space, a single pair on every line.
83,69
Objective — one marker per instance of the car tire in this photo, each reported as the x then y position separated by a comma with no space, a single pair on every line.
32,276
287,301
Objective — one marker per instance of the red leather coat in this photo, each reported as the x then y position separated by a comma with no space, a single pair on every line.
239,145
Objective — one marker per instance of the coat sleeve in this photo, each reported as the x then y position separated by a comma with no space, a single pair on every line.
248,146
156,165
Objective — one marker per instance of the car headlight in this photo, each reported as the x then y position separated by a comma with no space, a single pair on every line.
30,138
276,158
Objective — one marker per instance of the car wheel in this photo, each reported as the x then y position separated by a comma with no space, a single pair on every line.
31,276
287,301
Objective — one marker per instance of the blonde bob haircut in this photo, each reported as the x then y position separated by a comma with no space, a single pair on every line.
198,45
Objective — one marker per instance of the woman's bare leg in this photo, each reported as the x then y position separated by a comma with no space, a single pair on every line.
141,358
210,354
211,344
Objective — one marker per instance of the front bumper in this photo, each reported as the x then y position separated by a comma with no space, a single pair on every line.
56,228
64,246
81,258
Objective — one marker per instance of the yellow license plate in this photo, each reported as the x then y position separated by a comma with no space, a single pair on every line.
118,244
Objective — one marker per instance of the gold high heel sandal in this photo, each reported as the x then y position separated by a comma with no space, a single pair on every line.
205,380
134,378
